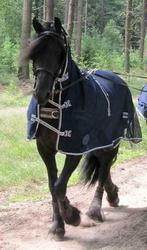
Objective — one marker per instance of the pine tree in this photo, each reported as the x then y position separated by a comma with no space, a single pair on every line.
23,71
128,35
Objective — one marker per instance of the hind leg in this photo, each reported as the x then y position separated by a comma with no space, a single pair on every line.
105,159
112,192
95,211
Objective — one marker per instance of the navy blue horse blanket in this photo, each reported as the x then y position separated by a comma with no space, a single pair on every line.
101,112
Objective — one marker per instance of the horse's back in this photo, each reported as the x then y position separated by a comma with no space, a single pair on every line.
113,91
111,83
109,75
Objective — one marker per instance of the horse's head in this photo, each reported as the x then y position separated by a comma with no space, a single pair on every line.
48,52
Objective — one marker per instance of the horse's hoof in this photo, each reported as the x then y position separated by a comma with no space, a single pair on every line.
86,221
114,203
56,232
70,214
96,214
58,235
113,198
74,219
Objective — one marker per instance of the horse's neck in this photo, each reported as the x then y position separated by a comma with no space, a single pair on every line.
73,70
73,75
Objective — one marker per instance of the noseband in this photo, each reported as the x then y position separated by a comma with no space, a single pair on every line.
36,73
45,70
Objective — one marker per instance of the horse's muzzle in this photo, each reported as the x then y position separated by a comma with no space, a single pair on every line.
41,99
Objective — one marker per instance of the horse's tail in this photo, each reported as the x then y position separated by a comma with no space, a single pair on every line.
94,162
90,169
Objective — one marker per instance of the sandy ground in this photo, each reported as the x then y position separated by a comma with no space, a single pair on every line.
24,226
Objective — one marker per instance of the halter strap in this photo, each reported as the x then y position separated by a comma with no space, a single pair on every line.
45,70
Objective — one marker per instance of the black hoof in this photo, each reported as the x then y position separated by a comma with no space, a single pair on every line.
70,214
112,197
73,218
114,203
57,231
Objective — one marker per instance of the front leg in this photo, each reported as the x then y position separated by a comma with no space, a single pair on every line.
70,214
48,157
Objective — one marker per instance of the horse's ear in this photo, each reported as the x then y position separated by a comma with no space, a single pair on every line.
37,26
58,25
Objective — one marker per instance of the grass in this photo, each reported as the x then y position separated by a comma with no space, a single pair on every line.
12,96
21,167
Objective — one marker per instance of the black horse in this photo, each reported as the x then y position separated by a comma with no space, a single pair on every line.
76,114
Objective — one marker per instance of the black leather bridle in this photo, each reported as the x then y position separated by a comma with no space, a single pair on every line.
61,69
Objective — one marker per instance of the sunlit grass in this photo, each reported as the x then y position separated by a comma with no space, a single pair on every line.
12,96
20,162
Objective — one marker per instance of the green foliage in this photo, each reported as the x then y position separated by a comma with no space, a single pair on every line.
102,45
112,39
134,59
10,28
90,44
106,51
8,57
109,61
10,19
101,11
103,51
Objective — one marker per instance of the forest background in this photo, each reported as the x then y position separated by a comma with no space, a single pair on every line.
105,34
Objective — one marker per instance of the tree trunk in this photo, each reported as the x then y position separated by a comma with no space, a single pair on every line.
143,29
102,18
23,71
70,22
66,14
44,10
128,35
50,10
86,14
79,28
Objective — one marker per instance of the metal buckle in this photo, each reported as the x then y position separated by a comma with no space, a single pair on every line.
49,113
54,114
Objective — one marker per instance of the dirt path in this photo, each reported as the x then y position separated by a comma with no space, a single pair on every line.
24,226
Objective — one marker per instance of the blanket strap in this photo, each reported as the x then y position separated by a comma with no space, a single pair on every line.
66,133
